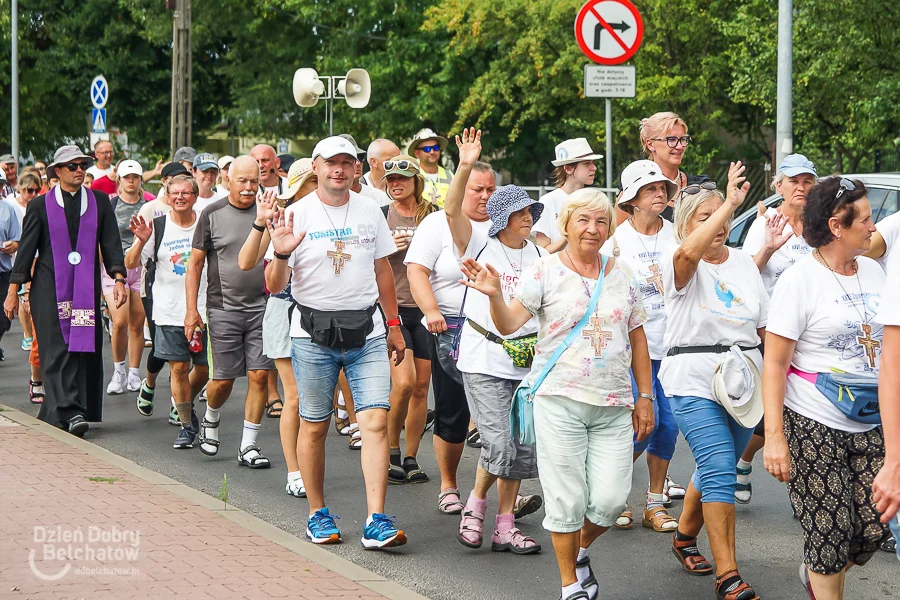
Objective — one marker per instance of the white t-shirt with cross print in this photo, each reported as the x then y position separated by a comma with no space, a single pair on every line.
644,253
595,368
334,266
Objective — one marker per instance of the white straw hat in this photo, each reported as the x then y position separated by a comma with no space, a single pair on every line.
573,151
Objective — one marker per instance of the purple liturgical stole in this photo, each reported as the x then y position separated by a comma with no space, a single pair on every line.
74,271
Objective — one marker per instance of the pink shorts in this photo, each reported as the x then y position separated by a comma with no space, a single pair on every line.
132,280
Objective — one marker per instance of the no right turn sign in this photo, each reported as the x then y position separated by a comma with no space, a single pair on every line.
609,32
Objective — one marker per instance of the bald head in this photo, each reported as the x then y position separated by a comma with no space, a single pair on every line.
264,155
379,151
244,174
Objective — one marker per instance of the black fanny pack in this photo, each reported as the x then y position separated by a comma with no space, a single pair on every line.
341,329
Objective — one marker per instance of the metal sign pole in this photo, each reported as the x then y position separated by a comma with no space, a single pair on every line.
609,162
14,79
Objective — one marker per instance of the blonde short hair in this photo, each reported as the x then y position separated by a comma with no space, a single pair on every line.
688,204
587,199
659,125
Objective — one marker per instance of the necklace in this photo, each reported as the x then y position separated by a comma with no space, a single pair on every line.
862,315
338,256
641,236
512,266
584,282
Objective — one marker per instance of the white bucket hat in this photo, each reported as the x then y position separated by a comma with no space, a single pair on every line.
573,151
737,386
641,173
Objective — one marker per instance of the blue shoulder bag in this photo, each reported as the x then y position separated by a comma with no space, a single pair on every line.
522,413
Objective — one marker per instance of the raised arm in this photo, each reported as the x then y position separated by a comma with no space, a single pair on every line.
469,151
691,251
254,248
142,232
508,318
775,239
284,242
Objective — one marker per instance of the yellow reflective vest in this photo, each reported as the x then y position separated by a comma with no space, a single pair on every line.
437,185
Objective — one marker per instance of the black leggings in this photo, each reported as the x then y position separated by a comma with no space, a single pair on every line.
154,365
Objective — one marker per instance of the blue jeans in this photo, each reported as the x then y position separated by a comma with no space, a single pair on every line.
717,442
660,443
316,369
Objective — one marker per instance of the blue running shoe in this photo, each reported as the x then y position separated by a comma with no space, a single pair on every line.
381,533
321,529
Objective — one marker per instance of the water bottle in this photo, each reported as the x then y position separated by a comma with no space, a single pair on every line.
196,343
895,529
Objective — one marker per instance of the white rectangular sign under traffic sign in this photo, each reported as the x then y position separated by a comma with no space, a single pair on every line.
609,82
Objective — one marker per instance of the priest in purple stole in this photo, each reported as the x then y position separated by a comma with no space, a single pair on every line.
69,230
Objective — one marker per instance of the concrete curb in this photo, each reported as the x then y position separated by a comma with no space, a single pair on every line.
341,566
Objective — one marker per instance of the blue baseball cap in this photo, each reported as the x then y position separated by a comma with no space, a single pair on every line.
795,164
205,161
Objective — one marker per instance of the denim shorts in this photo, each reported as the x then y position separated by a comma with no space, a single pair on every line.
316,369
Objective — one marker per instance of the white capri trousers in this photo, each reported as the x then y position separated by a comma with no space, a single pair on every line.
584,456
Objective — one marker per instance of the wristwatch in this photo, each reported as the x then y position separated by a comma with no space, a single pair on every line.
647,396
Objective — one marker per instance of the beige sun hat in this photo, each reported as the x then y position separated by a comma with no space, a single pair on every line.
573,151
298,174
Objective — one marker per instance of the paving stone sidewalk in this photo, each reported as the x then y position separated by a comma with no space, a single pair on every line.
76,525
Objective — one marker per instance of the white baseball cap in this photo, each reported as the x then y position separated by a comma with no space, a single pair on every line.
225,161
641,173
129,167
573,151
332,146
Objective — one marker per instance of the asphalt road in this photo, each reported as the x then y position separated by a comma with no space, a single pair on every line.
630,565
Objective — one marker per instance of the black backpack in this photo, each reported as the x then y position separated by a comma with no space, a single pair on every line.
159,229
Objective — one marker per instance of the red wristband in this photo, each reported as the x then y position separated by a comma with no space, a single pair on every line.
393,323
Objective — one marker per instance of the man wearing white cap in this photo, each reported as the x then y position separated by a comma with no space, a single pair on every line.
339,276
427,147
574,168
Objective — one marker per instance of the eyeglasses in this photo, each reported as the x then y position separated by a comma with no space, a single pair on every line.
846,186
698,187
77,165
673,141
434,148
180,194
400,165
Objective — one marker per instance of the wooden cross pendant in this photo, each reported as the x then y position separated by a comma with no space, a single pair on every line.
338,256
656,279
868,343
597,336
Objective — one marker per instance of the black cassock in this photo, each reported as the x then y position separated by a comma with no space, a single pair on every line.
73,381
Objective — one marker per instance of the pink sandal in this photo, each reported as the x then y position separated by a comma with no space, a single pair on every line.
471,527
514,541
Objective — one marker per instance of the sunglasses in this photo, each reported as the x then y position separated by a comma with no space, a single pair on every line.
31,190
846,186
400,165
699,187
77,165
673,141
435,148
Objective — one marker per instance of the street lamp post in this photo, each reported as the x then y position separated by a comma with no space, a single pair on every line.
14,80
784,135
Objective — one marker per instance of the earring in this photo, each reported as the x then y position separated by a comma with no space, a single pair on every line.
839,237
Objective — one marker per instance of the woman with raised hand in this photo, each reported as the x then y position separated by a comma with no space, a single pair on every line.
490,374
717,308
591,337
820,386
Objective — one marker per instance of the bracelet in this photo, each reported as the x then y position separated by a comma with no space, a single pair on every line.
121,280
647,396
393,323
258,227
280,256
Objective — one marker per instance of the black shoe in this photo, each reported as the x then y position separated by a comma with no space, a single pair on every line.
473,438
78,426
889,545
429,419
396,474
413,473
2,354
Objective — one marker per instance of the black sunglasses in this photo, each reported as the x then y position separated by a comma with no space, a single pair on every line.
31,190
672,141
74,166
846,186
698,187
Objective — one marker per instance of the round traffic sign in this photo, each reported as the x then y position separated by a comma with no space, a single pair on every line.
609,32
99,91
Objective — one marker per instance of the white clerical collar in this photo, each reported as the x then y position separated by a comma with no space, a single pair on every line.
59,198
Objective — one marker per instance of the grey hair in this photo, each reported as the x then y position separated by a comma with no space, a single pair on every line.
182,178
779,177
687,205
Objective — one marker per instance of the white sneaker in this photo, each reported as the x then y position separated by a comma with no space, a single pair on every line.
117,383
134,382
673,490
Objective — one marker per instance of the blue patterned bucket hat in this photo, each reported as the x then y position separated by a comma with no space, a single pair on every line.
505,201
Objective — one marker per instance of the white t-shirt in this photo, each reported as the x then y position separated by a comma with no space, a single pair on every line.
596,368
278,188
432,247
722,304
169,295
97,172
889,229
202,203
552,202
792,251
325,278
20,210
476,353
380,198
643,253
889,312
826,321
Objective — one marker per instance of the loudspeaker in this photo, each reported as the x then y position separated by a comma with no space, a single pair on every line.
307,87
356,88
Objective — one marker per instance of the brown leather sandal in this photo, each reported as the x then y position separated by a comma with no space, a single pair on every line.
659,520
689,555
737,590
626,519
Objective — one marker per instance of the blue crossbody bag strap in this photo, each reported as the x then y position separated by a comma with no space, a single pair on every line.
595,297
